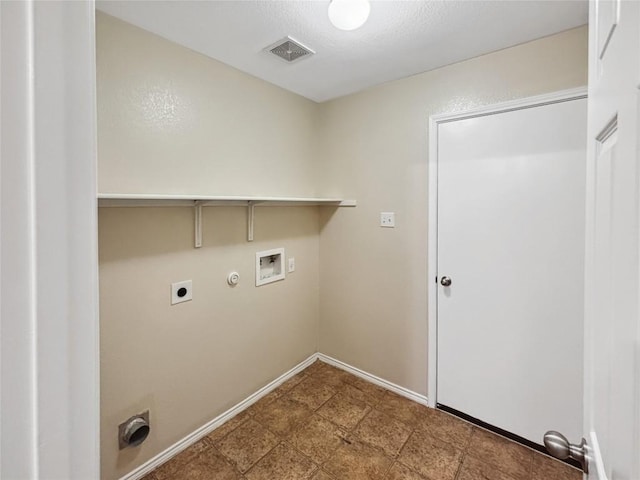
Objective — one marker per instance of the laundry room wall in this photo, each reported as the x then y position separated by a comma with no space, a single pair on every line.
171,121
373,281
175,121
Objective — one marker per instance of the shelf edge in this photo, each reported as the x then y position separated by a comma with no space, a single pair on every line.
151,200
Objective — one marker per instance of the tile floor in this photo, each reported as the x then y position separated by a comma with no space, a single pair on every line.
325,424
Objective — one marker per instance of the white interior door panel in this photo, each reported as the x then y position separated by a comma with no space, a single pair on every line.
511,189
612,268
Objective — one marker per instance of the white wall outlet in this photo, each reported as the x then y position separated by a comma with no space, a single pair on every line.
292,265
181,292
387,219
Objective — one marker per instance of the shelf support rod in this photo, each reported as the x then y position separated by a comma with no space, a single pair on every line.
250,214
198,223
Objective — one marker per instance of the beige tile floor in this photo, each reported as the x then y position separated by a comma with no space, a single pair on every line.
325,424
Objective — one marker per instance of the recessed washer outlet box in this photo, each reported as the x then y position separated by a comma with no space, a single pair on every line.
269,266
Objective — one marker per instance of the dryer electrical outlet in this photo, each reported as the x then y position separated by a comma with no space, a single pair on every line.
181,292
269,266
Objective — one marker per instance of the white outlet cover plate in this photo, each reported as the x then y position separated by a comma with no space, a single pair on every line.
387,219
175,288
292,265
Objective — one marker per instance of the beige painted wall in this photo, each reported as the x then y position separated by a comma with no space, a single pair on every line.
373,301
173,121
190,362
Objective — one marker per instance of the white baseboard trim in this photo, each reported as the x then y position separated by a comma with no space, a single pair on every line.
404,392
206,429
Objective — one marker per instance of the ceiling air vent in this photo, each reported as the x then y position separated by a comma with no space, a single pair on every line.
289,50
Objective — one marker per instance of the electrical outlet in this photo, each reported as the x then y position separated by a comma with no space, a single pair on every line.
181,292
387,219
292,265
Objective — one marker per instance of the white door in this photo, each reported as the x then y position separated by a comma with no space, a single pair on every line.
612,325
511,190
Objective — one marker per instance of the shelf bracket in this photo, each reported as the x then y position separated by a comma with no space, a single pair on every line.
250,214
197,209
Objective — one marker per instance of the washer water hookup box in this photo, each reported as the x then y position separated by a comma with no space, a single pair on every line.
269,266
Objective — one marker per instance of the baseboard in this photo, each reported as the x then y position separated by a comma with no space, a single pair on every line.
206,429
404,392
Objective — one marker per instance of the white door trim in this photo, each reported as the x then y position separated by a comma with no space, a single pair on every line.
432,238
49,387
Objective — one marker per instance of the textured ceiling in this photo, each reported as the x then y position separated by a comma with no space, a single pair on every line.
401,37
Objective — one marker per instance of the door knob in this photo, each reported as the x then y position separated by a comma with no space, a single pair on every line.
558,446
445,281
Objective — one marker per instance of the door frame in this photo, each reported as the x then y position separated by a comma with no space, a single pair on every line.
49,348
432,219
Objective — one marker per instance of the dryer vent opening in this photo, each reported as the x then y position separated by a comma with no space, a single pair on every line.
134,431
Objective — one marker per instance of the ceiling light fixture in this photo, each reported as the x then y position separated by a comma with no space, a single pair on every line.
349,14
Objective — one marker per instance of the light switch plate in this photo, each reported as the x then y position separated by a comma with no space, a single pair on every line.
181,292
292,265
387,219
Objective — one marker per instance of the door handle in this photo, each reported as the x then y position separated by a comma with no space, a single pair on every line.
445,281
558,446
